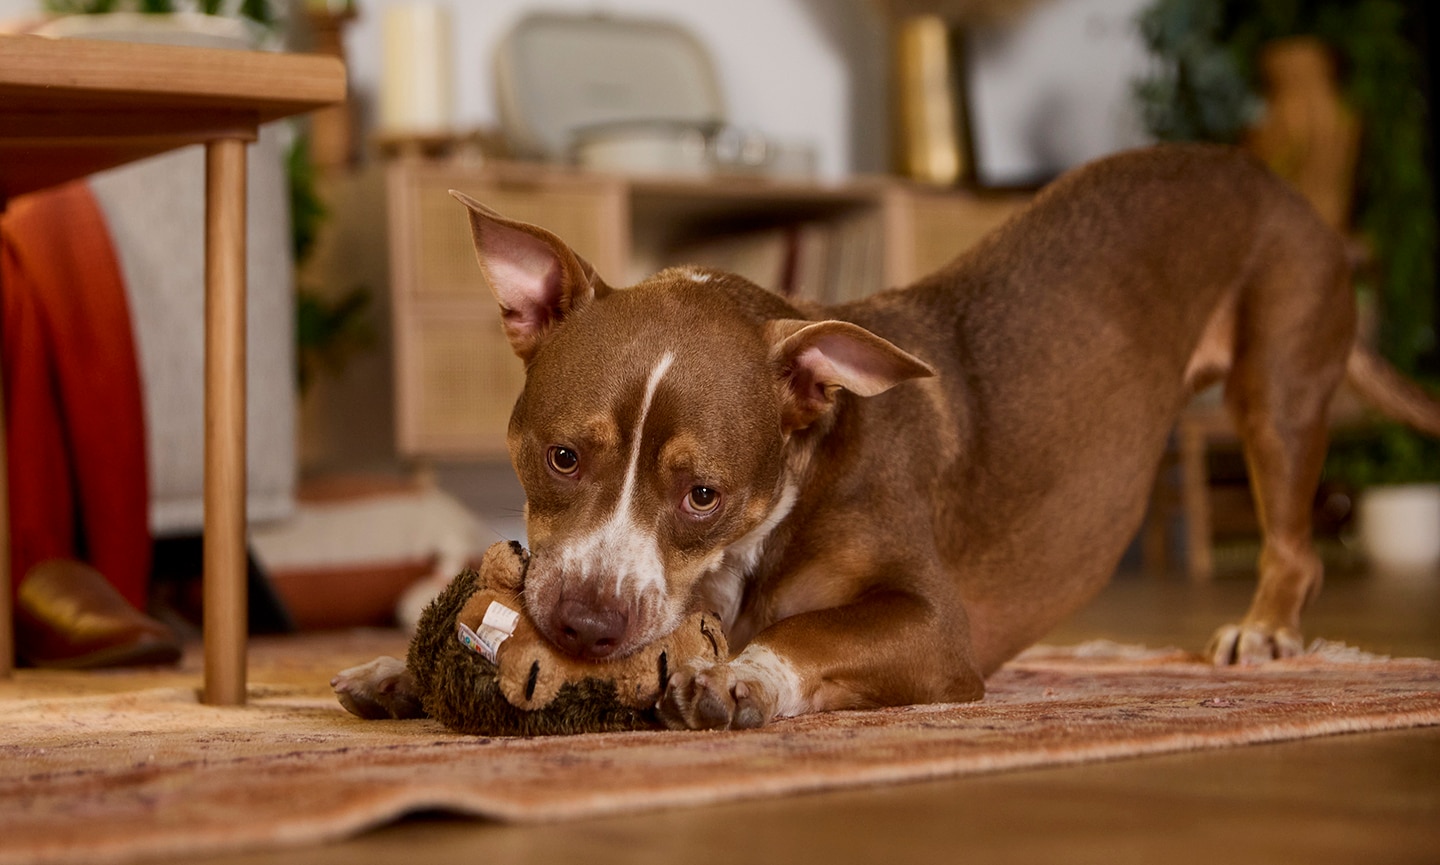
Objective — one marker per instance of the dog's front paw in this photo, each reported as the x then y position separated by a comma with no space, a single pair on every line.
380,689
715,698
1253,643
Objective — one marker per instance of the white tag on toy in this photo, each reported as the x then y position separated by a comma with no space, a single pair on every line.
496,627
501,617
468,638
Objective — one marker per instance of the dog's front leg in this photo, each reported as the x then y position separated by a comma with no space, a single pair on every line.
885,650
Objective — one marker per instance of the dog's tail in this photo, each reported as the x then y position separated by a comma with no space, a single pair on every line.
1390,393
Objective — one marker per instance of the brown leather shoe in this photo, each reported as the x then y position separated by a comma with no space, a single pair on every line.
69,616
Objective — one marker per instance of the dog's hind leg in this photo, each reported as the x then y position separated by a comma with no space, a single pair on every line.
1294,331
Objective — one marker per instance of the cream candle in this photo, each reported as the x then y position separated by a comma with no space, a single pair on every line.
415,88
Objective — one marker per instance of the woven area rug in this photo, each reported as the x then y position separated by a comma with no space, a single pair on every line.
102,768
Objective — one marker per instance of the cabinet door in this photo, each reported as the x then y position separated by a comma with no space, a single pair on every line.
590,217
456,378
927,230
458,382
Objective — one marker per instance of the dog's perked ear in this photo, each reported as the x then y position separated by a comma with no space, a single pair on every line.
814,359
536,278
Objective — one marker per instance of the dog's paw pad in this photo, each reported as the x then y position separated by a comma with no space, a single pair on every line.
1249,644
714,704
711,699
378,690
748,715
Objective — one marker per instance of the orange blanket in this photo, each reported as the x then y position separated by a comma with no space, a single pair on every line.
76,429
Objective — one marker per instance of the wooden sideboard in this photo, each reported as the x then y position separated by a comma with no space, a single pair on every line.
455,376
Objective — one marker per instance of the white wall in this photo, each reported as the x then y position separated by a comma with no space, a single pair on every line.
1055,90
1049,93
14,10
795,70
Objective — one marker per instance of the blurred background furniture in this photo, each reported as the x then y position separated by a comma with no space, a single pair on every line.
71,108
455,375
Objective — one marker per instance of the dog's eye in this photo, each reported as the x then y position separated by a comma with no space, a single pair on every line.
702,500
563,460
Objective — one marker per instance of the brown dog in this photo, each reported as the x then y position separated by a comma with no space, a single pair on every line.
886,500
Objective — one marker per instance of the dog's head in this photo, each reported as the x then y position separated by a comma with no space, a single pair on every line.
652,433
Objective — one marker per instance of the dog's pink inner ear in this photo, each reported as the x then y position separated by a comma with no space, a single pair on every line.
817,358
535,277
525,275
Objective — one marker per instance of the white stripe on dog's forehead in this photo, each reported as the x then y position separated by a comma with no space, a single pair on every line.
632,469
623,546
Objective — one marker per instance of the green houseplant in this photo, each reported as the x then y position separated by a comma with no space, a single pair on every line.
328,330
203,23
260,11
1205,87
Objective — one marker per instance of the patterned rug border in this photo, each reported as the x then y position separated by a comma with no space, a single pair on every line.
498,808
141,793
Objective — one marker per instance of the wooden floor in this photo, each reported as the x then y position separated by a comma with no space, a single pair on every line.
1372,798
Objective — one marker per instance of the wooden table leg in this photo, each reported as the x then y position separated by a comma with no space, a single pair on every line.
226,618
7,611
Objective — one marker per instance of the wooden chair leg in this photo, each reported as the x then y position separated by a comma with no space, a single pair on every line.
1195,501
1155,559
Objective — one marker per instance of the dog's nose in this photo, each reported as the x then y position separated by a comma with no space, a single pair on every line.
589,632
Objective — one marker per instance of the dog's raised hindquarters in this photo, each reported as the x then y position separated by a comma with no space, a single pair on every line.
888,499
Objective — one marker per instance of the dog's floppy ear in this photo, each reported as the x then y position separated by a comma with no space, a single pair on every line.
535,277
815,359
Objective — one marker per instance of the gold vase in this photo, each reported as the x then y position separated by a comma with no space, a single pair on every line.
929,134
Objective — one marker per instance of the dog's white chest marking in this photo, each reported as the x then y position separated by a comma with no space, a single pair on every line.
624,546
724,587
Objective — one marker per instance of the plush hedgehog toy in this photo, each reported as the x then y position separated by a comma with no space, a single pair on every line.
482,667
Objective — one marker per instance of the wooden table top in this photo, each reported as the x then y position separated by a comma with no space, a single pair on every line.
70,107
